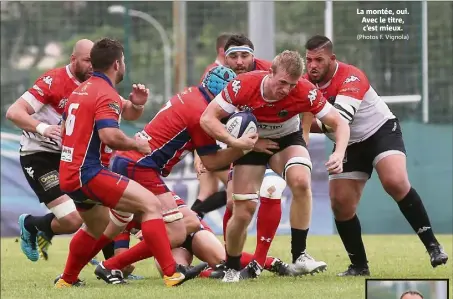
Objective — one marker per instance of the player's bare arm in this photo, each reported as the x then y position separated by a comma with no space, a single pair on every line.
340,127
307,119
133,108
117,140
20,114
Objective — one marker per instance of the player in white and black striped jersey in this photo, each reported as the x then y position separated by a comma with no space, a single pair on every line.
38,113
376,141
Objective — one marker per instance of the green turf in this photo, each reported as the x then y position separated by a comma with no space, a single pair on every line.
390,256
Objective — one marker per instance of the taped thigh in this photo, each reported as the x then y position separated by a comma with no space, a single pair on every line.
120,218
172,215
63,209
243,197
297,161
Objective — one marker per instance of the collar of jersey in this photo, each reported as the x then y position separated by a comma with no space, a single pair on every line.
102,76
204,93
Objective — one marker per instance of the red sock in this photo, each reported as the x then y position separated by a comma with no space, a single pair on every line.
134,254
226,217
80,252
268,262
246,258
268,219
206,273
155,236
100,243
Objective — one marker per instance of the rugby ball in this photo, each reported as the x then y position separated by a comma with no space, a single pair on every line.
241,123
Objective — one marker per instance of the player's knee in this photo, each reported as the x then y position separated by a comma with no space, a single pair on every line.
72,222
244,207
343,207
396,186
298,182
272,186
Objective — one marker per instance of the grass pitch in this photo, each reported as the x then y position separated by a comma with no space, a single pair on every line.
390,256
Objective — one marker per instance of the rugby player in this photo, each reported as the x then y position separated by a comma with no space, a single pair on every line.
376,142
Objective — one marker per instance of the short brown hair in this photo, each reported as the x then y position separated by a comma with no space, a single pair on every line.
238,40
289,61
221,40
104,53
411,293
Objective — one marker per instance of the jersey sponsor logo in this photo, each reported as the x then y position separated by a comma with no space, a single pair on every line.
236,85
269,127
312,96
66,154
349,89
49,180
39,90
283,113
115,107
350,79
48,80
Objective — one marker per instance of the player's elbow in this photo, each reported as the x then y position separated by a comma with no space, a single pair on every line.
205,121
12,113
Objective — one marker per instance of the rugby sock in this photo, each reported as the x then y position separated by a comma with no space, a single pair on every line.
246,258
268,219
80,249
195,204
212,203
42,223
413,209
350,233
226,218
155,236
134,254
109,250
233,262
298,242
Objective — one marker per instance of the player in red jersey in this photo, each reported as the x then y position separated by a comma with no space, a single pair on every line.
38,113
376,142
276,98
172,133
209,196
90,129
240,58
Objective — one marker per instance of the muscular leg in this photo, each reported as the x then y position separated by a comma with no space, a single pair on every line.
344,197
294,162
246,184
391,168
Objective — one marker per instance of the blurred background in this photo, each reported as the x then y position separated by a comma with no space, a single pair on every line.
169,44
392,289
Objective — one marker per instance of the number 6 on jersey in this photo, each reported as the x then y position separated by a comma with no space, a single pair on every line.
70,120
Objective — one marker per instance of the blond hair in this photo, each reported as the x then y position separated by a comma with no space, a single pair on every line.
289,61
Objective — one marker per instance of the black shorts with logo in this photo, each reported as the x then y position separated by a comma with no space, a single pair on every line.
42,173
361,157
257,158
